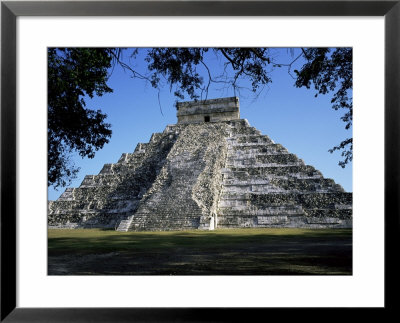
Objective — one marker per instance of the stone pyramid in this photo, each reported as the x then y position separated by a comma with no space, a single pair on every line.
210,170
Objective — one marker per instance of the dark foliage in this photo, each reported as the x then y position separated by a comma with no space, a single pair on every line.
180,68
72,74
332,71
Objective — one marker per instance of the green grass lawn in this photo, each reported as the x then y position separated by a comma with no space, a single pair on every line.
221,252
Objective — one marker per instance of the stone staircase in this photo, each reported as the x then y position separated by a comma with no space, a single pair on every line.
177,199
265,186
125,224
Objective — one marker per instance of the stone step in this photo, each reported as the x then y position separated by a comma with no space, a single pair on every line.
244,131
249,140
124,225
252,153
281,170
262,189
332,213
283,184
293,179
285,210
246,202
266,211
308,200
243,181
259,158
246,163
239,177
165,214
141,147
282,221
164,221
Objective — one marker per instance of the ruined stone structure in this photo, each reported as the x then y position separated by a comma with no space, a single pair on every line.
208,111
210,170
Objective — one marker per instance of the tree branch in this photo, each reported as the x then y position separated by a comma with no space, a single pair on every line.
227,57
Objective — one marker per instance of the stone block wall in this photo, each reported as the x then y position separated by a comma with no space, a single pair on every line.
215,110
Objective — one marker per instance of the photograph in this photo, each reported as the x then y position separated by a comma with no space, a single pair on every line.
200,161
197,161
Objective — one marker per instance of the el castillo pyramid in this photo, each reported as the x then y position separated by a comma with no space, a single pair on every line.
210,170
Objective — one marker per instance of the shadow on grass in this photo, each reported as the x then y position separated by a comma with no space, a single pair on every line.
111,240
221,252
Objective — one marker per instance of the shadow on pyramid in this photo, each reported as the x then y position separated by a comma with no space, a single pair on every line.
210,170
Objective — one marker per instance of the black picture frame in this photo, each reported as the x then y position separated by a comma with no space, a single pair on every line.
10,10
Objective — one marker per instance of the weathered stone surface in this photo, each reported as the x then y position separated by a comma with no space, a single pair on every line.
214,110
203,175
185,193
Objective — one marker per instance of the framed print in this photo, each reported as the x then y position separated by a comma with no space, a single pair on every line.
370,28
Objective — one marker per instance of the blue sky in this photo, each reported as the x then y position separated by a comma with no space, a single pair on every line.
306,125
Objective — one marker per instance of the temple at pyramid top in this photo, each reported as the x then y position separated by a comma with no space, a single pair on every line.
224,109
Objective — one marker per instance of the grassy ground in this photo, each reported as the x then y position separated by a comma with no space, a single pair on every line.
220,252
